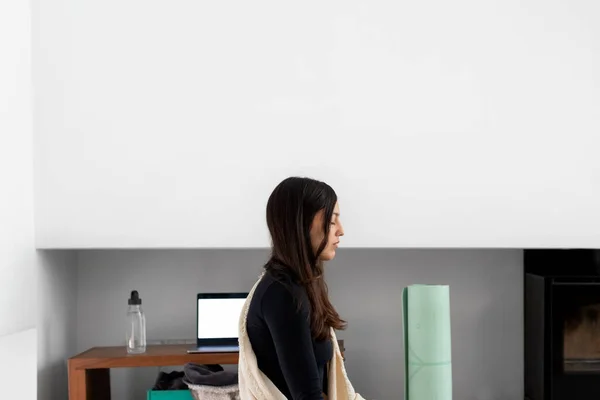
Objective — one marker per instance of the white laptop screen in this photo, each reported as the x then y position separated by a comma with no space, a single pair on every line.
219,318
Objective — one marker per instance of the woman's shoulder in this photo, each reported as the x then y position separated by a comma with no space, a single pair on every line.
282,285
281,291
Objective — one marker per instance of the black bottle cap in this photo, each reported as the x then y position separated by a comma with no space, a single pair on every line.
135,298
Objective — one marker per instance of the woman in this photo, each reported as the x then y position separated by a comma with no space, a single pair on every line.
288,319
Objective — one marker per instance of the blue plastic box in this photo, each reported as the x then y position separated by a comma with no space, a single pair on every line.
170,395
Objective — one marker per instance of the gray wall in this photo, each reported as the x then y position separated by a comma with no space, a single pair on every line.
365,285
56,326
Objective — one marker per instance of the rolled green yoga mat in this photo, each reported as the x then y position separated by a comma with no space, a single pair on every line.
427,343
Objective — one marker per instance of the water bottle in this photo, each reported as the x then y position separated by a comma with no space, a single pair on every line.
136,325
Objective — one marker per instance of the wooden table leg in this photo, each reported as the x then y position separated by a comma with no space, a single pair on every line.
88,384
77,383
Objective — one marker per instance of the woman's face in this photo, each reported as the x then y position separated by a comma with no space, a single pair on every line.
336,230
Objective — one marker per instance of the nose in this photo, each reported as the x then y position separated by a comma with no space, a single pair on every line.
340,231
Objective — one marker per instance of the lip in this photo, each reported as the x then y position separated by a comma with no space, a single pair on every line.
336,244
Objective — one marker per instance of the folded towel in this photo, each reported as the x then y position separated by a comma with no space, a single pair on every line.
200,392
204,375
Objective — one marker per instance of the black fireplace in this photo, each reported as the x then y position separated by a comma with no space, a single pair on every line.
562,324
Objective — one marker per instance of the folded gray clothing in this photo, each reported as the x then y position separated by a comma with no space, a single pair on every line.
170,381
198,374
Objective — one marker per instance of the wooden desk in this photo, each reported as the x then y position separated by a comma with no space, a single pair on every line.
89,372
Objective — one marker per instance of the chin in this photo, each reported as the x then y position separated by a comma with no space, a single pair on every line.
327,255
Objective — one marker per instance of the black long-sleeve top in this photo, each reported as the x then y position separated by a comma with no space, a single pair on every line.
281,338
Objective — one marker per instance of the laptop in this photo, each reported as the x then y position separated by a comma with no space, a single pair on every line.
217,321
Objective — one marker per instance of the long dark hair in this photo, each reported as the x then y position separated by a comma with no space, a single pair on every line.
290,212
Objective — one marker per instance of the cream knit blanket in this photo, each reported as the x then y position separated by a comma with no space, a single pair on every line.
254,385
